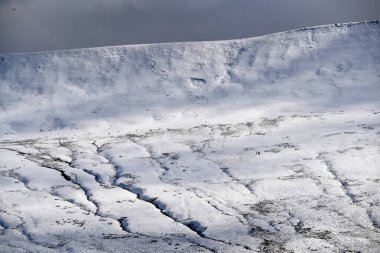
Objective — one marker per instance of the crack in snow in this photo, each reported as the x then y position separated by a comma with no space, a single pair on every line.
192,225
345,187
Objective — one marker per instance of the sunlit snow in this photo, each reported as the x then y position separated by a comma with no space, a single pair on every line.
267,144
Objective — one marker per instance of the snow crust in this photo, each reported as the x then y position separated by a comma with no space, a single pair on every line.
267,144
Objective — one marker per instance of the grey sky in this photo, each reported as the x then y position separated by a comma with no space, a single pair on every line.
35,25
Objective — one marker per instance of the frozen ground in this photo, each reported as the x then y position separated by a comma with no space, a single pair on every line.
269,144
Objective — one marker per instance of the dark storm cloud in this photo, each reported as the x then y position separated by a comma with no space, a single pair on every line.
32,25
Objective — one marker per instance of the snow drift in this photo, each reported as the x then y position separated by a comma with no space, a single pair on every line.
319,68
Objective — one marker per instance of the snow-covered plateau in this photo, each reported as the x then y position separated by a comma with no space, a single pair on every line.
266,144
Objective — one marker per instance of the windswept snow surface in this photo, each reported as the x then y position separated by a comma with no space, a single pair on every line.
267,144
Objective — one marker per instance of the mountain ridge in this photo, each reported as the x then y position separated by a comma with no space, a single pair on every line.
343,24
320,68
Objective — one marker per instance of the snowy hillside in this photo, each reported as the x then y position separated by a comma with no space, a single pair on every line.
267,144
321,68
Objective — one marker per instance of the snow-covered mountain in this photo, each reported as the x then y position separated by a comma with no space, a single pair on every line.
326,67
267,144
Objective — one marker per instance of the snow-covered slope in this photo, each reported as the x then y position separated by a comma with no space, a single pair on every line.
320,68
269,144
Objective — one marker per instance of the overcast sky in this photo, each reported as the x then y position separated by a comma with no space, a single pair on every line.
35,25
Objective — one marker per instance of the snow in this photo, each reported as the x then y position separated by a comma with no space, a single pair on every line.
267,144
